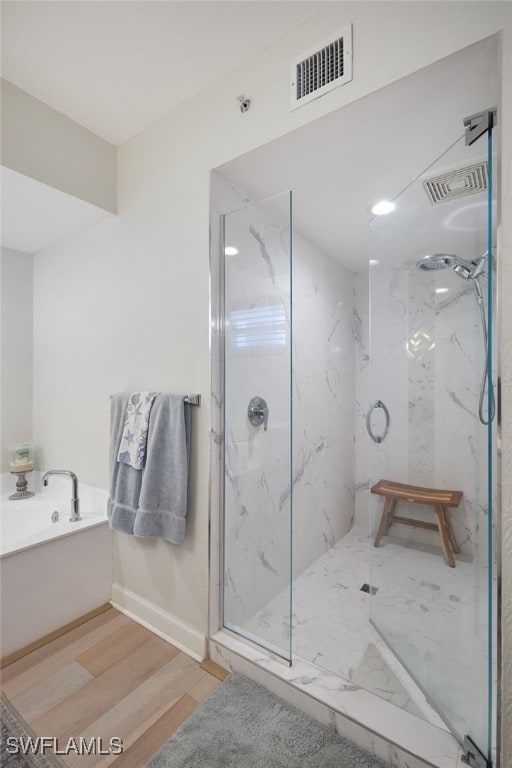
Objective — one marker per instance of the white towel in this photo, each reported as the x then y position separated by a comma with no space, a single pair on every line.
132,450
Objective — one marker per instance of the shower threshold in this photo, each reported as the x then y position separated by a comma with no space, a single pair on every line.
383,729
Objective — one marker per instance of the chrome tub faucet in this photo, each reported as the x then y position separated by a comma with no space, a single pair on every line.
75,501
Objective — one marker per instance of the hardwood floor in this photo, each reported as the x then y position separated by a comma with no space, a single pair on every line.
109,677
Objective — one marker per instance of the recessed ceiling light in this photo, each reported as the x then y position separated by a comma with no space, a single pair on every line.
382,207
229,250
373,262
442,290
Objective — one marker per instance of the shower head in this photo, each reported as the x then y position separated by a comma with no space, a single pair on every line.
437,261
463,268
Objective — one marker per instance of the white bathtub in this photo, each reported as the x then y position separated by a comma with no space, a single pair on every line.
51,572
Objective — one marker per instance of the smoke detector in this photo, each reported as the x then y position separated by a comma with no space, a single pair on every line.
321,69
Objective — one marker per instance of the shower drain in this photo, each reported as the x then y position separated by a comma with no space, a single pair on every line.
369,590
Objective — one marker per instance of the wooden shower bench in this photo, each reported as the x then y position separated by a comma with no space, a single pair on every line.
440,501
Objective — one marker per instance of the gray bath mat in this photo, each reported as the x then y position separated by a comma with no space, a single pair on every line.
242,725
14,733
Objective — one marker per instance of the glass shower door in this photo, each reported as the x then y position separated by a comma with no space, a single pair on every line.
431,558
257,424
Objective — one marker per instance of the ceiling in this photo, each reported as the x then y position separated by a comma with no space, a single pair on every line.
36,216
116,67
338,166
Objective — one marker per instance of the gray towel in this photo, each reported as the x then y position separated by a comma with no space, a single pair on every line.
153,502
163,495
125,481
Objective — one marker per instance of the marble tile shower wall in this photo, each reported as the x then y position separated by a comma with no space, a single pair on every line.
427,357
360,331
324,412
324,402
460,439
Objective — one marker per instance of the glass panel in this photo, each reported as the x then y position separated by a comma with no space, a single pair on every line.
257,456
430,281
492,459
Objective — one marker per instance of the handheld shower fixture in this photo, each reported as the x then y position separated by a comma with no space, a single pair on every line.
436,262
467,270
462,267
462,271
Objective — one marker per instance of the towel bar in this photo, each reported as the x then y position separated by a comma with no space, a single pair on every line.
190,399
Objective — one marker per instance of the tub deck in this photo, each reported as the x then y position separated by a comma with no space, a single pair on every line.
51,572
26,523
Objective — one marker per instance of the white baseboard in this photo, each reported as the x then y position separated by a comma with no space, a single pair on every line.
185,637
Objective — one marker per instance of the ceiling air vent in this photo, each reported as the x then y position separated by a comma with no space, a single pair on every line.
321,69
457,182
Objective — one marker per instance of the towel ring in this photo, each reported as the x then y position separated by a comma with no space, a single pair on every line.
373,406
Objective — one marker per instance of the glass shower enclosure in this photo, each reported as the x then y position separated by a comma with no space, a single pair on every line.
428,390
432,419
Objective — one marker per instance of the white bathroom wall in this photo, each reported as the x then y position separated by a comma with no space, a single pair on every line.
45,145
113,312
129,298
16,314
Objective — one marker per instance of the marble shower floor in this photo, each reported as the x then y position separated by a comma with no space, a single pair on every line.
331,625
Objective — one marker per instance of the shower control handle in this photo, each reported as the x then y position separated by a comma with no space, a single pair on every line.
373,406
257,412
